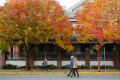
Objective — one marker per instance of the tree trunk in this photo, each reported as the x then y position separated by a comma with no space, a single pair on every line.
11,53
27,62
59,56
27,57
115,55
99,59
87,58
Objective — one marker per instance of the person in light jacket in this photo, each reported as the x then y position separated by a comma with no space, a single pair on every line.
75,67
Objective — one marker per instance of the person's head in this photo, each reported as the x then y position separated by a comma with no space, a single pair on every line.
75,58
71,57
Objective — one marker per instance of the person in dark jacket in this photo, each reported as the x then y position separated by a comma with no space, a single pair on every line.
44,65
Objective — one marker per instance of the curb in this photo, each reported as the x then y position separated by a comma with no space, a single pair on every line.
55,73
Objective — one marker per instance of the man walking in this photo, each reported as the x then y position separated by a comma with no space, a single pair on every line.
71,66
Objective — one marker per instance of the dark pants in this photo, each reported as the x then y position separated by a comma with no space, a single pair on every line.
45,67
75,70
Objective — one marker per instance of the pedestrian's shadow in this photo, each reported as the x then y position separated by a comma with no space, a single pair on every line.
73,78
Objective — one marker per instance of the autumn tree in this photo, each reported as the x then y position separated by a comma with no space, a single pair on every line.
28,22
112,14
99,22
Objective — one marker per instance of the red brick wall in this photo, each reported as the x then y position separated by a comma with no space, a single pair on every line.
115,56
59,58
3,59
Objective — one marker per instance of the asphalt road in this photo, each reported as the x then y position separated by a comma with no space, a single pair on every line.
59,77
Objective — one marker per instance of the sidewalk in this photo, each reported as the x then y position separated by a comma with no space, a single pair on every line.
54,72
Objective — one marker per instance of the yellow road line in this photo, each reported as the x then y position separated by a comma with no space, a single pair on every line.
55,73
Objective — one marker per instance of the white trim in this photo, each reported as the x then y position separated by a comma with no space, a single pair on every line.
23,63
18,63
109,63
49,63
72,20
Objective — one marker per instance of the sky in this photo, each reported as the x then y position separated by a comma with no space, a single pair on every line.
2,1
65,3
68,3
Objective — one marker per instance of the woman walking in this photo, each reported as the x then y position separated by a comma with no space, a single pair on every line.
75,67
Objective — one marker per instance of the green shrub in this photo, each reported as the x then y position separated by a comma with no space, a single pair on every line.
36,66
109,67
9,66
82,67
51,66
94,67
79,67
66,67
103,67
116,67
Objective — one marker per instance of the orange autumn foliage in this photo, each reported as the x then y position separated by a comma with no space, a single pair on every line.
35,21
99,20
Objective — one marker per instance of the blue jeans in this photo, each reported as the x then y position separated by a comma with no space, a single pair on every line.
70,72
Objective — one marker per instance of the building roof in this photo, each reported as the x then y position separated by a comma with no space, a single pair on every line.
76,5
72,10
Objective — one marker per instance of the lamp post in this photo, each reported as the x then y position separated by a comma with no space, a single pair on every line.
0,59
45,51
104,57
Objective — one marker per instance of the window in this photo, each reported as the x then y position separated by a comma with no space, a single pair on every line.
106,53
43,51
78,52
52,52
66,55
